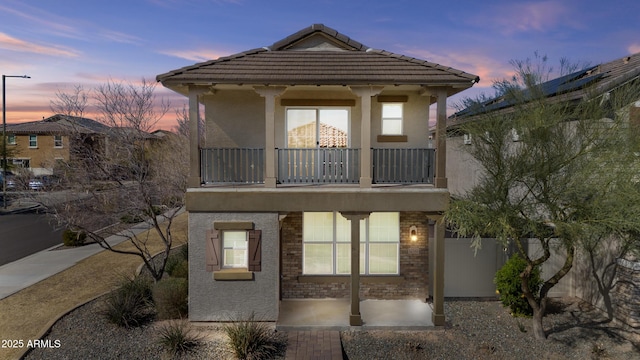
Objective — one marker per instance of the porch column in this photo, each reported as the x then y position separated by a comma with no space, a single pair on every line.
270,93
441,139
355,319
438,272
365,93
194,179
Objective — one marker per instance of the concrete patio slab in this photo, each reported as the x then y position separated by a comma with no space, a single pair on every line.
333,314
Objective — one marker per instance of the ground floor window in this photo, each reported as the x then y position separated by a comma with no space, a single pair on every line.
21,163
327,244
234,249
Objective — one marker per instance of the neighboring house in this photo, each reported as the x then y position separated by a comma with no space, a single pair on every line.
315,178
463,173
38,145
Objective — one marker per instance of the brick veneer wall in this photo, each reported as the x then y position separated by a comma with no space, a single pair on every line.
414,267
627,293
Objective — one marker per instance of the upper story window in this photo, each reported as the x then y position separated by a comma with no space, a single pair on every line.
33,141
57,141
11,139
392,114
318,127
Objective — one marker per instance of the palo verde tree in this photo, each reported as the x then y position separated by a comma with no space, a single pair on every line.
121,173
571,176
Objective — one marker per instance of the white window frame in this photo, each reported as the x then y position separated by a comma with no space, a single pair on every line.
57,141
35,141
11,139
365,244
224,247
21,162
317,110
392,118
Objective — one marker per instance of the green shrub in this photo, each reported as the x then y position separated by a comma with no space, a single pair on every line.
178,337
131,218
131,304
184,251
177,266
73,238
251,339
509,285
170,296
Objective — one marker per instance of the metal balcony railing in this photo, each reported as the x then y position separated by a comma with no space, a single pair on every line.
403,166
317,166
232,165
325,165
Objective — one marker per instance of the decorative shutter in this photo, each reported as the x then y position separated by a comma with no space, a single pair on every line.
255,250
212,252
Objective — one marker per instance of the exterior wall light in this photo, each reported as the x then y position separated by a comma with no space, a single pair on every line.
413,233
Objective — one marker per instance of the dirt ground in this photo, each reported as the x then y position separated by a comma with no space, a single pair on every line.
28,314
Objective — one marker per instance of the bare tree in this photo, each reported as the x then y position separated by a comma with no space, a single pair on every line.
122,173
571,178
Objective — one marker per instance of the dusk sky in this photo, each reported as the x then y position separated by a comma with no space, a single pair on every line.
64,43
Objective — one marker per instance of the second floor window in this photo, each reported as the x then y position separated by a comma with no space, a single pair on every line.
392,119
33,141
57,141
11,139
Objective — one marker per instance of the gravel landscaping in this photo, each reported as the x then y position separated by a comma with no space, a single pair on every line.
475,330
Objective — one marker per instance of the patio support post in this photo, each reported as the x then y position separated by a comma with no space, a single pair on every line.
365,93
355,318
441,139
438,273
269,93
194,179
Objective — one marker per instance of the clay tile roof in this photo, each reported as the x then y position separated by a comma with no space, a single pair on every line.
318,55
58,125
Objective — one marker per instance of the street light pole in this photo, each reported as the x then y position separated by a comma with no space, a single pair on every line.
4,136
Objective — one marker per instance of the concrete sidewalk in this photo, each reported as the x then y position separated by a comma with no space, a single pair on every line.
29,270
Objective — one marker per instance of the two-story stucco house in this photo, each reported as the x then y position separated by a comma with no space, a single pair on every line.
38,145
316,177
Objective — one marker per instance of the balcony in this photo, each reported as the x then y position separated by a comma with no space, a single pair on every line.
316,166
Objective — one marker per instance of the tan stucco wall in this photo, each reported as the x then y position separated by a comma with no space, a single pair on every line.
415,121
44,155
216,300
236,118
463,172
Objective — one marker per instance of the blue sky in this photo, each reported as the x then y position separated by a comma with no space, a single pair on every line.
63,43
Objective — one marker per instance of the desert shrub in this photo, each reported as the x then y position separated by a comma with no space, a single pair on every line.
178,337
184,251
170,296
251,339
177,267
131,304
73,238
509,285
131,218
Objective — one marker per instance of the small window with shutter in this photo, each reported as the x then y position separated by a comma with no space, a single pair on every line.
233,246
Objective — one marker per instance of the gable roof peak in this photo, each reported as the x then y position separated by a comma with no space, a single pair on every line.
317,35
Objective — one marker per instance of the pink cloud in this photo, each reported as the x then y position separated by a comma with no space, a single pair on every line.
195,55
487,68
634,48
10,43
